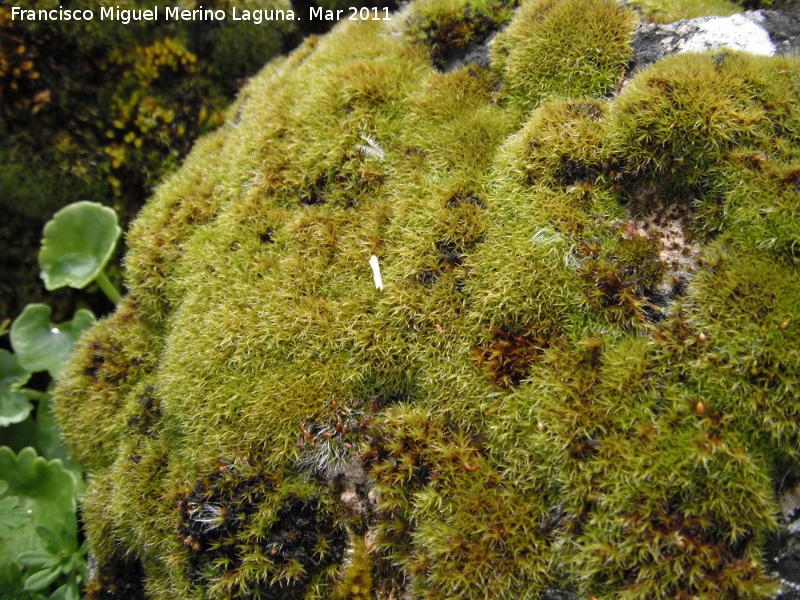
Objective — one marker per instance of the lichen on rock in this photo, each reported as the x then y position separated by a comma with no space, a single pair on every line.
544,400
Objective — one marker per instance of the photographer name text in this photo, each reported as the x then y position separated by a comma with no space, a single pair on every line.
174,13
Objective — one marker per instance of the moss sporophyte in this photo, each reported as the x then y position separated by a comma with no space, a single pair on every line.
580,374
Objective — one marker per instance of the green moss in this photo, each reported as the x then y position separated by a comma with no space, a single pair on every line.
113,368
667,11
580,372
118,575
357,581
551,49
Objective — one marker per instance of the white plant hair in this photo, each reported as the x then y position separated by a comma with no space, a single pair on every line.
371,149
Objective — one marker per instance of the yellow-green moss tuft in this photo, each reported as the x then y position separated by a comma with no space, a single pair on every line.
667,11
564,48
581,371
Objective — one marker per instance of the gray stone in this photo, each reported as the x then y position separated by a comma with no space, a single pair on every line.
783,551
762,32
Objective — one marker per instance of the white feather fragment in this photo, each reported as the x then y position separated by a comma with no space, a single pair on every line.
376,272
372,148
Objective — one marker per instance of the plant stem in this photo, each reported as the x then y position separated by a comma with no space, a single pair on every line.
35,394
108,287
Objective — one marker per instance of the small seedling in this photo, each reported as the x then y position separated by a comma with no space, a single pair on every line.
61,556
78,243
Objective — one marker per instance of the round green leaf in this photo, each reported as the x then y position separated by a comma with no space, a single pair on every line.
44,487
40,344
14,405
77,244
12,375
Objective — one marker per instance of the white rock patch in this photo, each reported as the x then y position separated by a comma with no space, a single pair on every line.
764,33
738,32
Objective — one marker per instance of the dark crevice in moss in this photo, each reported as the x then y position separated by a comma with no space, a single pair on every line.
507,358
117,579
267,237
462,198
572,172
147,421
426,277
303,541
211,516
459,39
388,580
583,447
451,255
108,366
624,282
551,522
301,531
314,196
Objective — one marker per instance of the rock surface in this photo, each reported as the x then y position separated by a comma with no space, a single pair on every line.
762,32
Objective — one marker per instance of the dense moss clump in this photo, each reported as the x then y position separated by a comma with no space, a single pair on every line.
581,373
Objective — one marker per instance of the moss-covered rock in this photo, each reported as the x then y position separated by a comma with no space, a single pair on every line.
581,372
